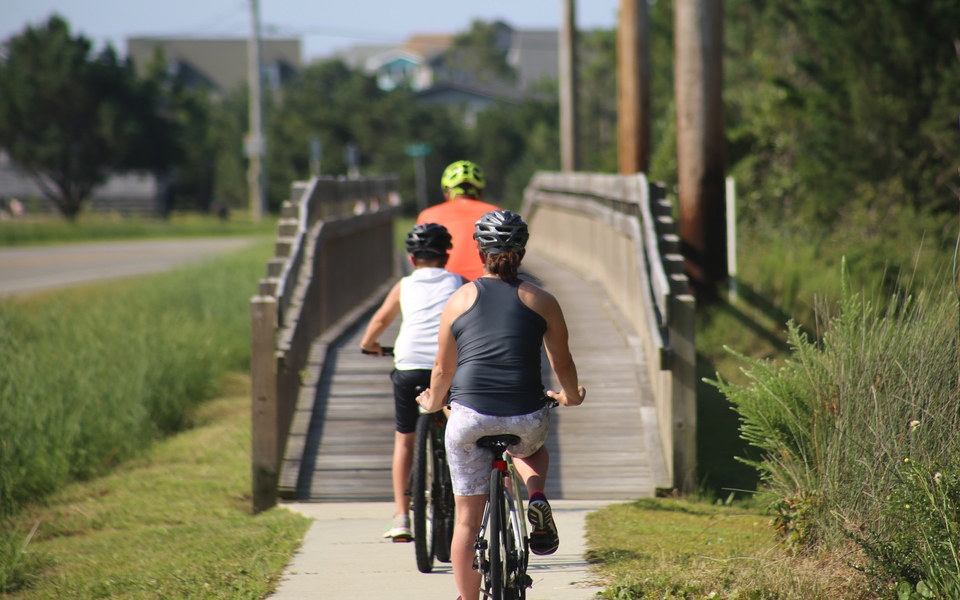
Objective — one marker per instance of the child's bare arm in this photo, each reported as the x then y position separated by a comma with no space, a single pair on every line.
381,319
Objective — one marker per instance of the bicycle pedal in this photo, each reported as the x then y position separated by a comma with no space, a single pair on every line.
402,539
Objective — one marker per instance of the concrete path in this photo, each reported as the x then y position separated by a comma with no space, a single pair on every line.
344,557
26,269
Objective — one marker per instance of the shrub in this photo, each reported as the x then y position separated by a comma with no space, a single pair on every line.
853,427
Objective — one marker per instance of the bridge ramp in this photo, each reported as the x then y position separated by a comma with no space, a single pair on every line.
605,449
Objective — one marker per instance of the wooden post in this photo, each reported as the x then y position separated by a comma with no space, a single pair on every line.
633,86
263,380
569,151
698,26
684,402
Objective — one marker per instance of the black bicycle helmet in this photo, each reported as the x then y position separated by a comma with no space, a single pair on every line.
501,231
428,238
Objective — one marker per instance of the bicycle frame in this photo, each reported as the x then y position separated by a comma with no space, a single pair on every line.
516,552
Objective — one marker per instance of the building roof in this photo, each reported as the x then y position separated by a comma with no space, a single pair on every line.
355,57
223,61
450,92
392,55
428,45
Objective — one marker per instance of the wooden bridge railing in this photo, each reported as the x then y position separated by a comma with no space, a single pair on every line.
619,230
334,249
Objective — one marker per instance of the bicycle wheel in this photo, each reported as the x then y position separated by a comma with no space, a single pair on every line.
424,505
515,571
497,535
443,491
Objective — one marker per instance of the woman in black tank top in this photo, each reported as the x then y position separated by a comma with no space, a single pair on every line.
488,365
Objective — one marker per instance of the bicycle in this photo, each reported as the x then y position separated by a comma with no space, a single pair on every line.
432,493
502,546
430,489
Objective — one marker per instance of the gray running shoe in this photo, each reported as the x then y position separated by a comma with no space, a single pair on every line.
400,530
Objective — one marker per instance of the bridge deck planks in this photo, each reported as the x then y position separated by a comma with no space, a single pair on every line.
597,450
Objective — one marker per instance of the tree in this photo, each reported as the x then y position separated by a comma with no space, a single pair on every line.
340,106
480,54
69,118
194,140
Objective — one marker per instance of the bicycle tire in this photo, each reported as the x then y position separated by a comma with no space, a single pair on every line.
497,534
424,508
443,538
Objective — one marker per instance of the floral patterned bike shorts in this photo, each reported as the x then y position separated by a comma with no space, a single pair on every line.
470,464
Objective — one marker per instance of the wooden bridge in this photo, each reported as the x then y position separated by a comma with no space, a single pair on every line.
323,412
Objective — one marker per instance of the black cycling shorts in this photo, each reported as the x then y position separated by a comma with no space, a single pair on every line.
407,385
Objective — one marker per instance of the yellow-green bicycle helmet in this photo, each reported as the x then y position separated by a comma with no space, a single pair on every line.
462,177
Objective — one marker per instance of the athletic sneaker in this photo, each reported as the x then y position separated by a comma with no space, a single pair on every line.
400,531
544,538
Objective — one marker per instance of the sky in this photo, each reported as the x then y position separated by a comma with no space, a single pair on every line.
322,25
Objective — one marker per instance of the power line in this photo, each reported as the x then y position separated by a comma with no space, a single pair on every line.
237,9
374,36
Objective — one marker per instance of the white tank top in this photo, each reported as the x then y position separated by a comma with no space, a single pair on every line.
423,295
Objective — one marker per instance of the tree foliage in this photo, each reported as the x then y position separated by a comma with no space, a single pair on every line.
844,105
69,116
480,54
340,106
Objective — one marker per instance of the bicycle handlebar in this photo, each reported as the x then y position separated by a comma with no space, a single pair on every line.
387,351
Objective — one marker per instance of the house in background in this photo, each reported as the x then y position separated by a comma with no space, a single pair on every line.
127,194
422,64
409,64
219,64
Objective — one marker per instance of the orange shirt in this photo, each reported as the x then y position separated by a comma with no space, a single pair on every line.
460,217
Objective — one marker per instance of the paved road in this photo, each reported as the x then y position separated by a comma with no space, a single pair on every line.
37,268
344,557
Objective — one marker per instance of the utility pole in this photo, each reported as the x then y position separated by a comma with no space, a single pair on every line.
698,27
255,143
633,86
569,151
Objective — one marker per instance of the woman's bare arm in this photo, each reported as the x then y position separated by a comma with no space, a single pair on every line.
556,343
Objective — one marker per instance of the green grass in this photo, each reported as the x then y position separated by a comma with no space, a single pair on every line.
668,549
89,228
90,376
401,226
174,523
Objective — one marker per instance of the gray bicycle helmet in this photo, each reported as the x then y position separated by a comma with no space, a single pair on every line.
501,231
428,238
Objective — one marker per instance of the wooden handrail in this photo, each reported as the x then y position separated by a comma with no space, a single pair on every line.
624,236
334,249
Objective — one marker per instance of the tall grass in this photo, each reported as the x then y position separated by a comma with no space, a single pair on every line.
839,420
90,377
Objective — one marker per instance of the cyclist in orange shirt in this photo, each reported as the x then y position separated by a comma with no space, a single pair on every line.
462,184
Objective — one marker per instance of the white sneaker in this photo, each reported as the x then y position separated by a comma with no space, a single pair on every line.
400,530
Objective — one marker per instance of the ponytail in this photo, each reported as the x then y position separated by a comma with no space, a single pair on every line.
504,265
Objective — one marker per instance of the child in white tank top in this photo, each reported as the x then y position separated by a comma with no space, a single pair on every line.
419,298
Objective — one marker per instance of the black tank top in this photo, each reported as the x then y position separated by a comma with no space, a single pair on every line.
498,345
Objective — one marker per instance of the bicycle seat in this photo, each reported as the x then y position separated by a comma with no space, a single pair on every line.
503,440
